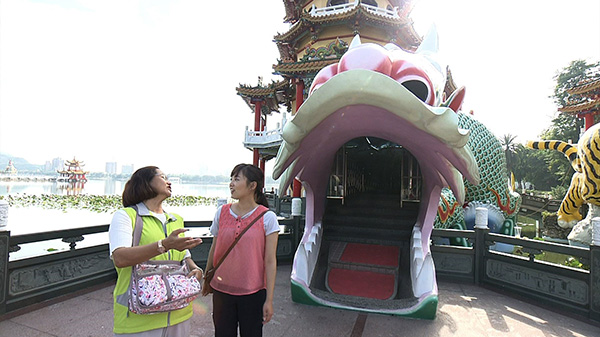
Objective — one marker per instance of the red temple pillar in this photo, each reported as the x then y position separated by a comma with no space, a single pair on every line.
297,186
589,120
257,113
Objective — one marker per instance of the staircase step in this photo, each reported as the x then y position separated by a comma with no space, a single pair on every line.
369,222
363,270
362,283
372,233
373,212
368,240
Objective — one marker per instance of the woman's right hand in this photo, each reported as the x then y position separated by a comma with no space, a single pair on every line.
174,241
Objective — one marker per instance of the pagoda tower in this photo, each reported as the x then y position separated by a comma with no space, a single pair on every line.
10,168
584,99
319,34
72,171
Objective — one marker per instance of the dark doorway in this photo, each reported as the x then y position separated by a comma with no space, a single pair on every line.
375,166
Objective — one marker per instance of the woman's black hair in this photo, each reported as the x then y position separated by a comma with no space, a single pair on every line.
253,174
137,188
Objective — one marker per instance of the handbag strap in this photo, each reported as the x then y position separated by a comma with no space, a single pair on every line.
238,239
137,229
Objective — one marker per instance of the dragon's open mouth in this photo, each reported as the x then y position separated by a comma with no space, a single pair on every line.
357,104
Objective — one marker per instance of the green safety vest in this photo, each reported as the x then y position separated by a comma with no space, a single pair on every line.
126,321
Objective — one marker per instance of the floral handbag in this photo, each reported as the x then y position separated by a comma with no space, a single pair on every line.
159,285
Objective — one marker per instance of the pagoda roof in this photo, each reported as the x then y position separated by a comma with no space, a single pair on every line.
582,107
272,94
400,25
74,162
302,67
293,8
450,85
585,87
73,172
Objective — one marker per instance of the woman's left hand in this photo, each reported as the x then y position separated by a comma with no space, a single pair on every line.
180,243
196,272
267,311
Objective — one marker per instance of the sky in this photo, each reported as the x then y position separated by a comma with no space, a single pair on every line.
152,82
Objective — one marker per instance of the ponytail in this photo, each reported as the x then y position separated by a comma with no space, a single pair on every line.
260,198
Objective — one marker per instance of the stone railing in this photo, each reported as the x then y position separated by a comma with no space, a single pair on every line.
573,289
263,139
79,264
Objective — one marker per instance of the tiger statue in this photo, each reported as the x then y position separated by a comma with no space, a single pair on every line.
585,183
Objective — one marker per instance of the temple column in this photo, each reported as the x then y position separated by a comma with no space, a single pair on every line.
297,186
257,113
589,120
262,128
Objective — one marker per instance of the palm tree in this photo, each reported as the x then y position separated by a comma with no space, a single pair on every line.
510,150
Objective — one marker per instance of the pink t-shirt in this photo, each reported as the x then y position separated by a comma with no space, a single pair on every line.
243,270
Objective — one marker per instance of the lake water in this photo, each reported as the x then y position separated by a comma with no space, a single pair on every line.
24,220
106,187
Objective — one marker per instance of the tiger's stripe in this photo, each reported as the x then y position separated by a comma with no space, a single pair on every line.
589,154
569,207
565,148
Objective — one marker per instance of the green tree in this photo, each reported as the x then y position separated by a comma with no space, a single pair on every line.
565,126
531,166
510,151
569,77
550,169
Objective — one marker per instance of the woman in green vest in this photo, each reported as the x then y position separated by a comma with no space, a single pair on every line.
162,239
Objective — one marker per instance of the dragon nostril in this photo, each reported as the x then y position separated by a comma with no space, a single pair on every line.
418,88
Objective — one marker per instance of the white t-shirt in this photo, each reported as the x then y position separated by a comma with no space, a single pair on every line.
120,231
269,219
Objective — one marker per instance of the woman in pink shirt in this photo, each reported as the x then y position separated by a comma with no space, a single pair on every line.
243,284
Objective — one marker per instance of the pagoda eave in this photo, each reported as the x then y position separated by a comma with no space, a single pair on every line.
410,37
581,108
272,95
450,86
267,153
292,69
293,8
585,87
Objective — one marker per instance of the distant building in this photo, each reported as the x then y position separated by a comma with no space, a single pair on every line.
10,168
111,168
127,169
57,164
72,172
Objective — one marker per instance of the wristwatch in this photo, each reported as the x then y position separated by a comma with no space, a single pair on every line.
161,248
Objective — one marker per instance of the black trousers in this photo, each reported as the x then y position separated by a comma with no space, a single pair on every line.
229,311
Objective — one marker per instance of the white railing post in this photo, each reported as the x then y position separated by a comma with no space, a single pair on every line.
3,213
481,218
296,207
596,231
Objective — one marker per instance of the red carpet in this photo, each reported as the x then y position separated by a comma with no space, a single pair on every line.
365,283
361,283
371,254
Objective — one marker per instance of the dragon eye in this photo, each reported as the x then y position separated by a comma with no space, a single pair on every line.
418,88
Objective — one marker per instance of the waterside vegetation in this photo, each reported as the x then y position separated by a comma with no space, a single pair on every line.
94,203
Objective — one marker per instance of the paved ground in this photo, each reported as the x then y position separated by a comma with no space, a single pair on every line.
464,310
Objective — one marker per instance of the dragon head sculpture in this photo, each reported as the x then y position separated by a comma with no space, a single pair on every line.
391,94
